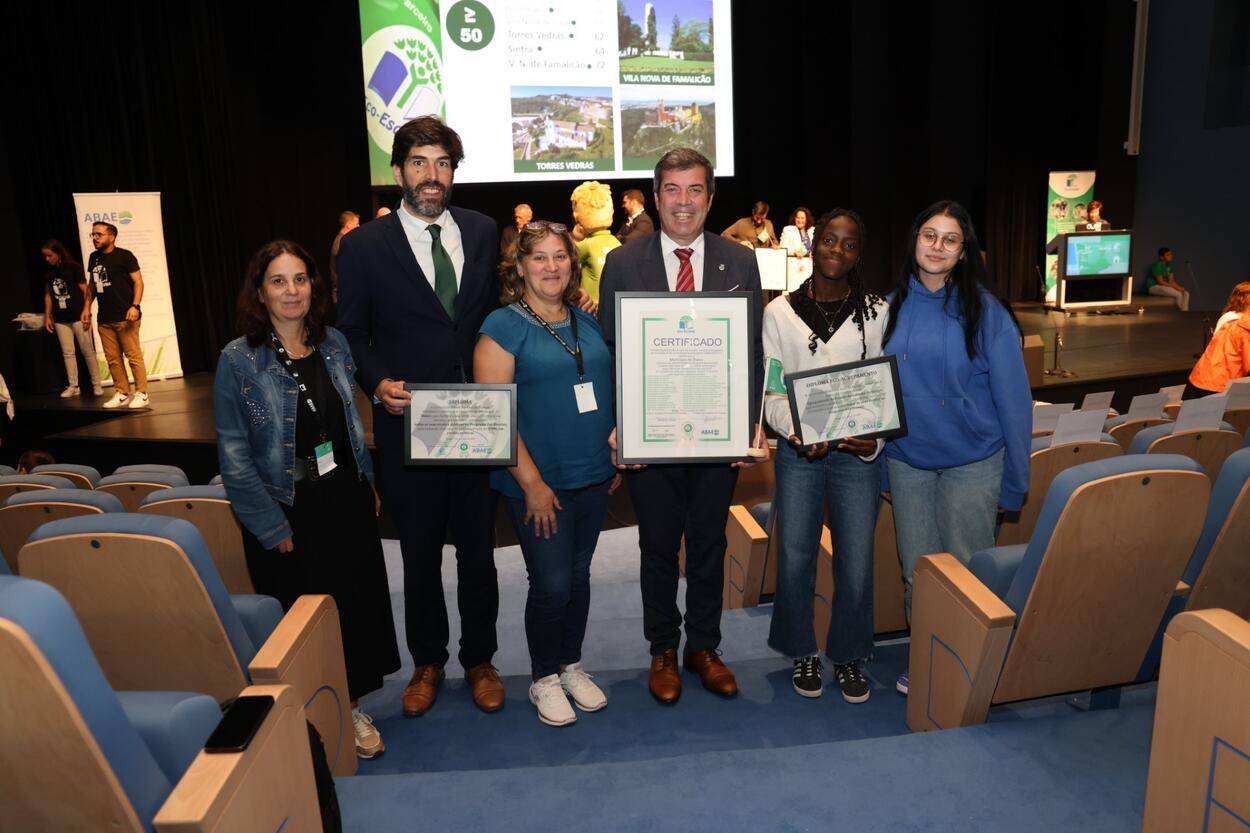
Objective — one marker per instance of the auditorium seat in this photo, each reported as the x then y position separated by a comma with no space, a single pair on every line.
133,486
1046,461
130,576
1208,447
1239,418
11,484
5,471
84,477
216,481
25,512
1172,409
79,756
172,471
1199,776
1123,431
746,551
1073,609
208,509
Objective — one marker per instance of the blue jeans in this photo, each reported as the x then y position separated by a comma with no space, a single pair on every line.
944,510
850,490
559,572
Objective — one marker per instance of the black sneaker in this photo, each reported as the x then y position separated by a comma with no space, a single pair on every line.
806,678
855,688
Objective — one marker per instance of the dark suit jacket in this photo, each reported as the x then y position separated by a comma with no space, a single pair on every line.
394,322
638,227
639,267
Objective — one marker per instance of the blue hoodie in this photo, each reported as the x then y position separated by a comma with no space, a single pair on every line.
961,410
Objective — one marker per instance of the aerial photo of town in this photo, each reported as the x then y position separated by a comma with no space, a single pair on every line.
562,123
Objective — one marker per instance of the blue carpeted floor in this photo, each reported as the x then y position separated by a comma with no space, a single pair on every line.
766,760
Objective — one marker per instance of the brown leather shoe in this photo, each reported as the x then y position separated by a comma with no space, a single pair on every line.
665,682
488,693
716,676
422,690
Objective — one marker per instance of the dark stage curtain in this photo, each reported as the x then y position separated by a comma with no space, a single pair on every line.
248,120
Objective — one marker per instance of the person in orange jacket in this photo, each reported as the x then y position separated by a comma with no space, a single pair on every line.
1226,358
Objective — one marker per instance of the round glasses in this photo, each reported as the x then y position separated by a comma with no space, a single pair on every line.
950,242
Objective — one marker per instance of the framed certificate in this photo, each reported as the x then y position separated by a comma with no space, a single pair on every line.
683,376
858,399
460,425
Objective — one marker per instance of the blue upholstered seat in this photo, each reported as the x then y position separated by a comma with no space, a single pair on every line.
148,742
187,493
5,471
90,473
216,481
172,471
263,613
163,478
1148,435
46,481
85,497
1042,442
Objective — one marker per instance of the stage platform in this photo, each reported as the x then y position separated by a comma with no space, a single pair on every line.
1131,354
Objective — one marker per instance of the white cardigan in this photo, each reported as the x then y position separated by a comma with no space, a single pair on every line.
792,242
786,338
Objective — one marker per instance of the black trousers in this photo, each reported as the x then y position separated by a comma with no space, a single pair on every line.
671,501
426,503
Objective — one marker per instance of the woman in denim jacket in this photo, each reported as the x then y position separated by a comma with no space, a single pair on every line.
294,463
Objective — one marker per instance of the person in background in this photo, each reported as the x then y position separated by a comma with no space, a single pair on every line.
66,311
637,222
521,215
302,487
965,392
32,458
829,320
1227,355
592,210
348,220
1094,221
756,231
557,494
1161,280
382,211
118,285
796,236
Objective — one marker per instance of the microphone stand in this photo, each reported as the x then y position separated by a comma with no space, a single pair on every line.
1059,370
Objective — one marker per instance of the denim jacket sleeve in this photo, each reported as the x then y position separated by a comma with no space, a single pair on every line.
252,503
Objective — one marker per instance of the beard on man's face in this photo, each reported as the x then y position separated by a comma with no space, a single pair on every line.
427,206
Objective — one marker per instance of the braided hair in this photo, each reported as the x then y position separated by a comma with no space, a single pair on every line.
863,303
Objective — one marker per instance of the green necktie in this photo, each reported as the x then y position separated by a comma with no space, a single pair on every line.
444,272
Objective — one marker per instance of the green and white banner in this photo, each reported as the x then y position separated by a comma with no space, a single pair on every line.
1067,196
140,230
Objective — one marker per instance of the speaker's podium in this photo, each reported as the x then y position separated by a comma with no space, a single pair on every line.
1094,269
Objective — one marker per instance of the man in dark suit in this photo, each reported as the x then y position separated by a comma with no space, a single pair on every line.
690,499
638,223
414,289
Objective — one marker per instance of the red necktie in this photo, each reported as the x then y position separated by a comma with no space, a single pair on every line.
685,273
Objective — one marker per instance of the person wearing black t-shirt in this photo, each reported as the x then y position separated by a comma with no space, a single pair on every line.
117,283
66,313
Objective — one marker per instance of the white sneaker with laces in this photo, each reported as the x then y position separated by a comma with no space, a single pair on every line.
117,400
72,390
578,685
138,400
553,706
368,740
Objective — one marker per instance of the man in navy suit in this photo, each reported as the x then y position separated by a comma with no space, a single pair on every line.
683,499
414,288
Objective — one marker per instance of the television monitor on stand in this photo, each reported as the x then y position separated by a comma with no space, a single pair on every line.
1094,269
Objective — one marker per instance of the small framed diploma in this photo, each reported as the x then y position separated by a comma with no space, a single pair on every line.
460,425
684,377
858,399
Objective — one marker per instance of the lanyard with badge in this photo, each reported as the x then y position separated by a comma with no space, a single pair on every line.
584,391
323,453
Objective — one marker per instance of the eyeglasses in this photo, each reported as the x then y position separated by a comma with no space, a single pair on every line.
545,225
950,242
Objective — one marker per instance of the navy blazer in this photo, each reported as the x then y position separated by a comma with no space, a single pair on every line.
390,315
638,266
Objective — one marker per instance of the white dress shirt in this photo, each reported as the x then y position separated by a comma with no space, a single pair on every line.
672,263
417,230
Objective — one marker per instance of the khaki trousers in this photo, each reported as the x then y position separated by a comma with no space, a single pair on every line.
119,338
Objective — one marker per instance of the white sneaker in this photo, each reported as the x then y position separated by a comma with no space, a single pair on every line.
97,390
368,741
138,400
72,390
118,399
578,685
553,706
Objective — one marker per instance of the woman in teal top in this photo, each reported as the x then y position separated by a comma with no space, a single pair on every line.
557,494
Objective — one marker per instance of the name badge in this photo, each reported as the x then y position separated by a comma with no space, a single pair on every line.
325,458
585,393
62,303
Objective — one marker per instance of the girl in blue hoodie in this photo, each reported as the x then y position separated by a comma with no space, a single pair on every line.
966,395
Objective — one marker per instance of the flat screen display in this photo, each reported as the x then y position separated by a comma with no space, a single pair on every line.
1108,253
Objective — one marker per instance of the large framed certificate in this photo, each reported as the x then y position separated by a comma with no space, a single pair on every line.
460,425
683,376
857,399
